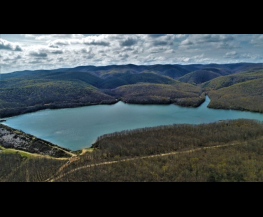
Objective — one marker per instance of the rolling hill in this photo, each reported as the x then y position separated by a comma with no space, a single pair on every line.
247,95
226,81
135,79
28,91
199,76
180,93
173,71
32,95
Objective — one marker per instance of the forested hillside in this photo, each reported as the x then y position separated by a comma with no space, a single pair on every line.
28,91
135,79
198,77
27,96
242,96
226,81
180,94
228,151
242,91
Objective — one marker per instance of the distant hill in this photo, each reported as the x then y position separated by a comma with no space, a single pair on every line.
174,71
77,76
199,76
27,91
226,81
128,78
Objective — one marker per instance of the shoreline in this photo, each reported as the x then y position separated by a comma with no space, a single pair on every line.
93,145
37,108
12,138
105,135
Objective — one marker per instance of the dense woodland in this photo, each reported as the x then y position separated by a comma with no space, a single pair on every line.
240,163
242,91
18,168
185,85
223,151
180,93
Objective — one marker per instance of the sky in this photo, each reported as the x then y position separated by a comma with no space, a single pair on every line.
51,51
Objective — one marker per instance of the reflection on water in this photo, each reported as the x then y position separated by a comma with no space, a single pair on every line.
76,128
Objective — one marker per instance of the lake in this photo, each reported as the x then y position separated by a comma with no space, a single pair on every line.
77,128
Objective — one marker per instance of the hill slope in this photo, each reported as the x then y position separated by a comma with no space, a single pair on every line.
15,139
226,81
136,78
247,95
199,76
32,95
180,93
173,71
29,91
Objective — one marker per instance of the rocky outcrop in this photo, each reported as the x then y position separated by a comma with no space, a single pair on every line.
11,138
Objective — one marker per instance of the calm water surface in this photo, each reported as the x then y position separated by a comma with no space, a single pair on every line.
77,128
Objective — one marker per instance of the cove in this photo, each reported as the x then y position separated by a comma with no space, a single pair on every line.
77,128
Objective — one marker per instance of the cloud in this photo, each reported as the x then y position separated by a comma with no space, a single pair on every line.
95,40
128,42
6,45
162,43
84,50
156,35
101,40
70,50
53,46
52,36
254,57
57,52
18,57
257,40
61,59
187,42
231,54
38,54
157,50
35,62
218,40
60,42
8,59
180,35
123,56
99,43
158,40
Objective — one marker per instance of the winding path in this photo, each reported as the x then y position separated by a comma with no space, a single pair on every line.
52,179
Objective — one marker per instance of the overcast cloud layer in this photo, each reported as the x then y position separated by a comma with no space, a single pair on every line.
51,51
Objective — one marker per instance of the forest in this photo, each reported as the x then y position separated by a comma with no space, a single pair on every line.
242,91
227,151
184,85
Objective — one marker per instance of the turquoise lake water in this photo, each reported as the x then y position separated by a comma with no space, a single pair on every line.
77,128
